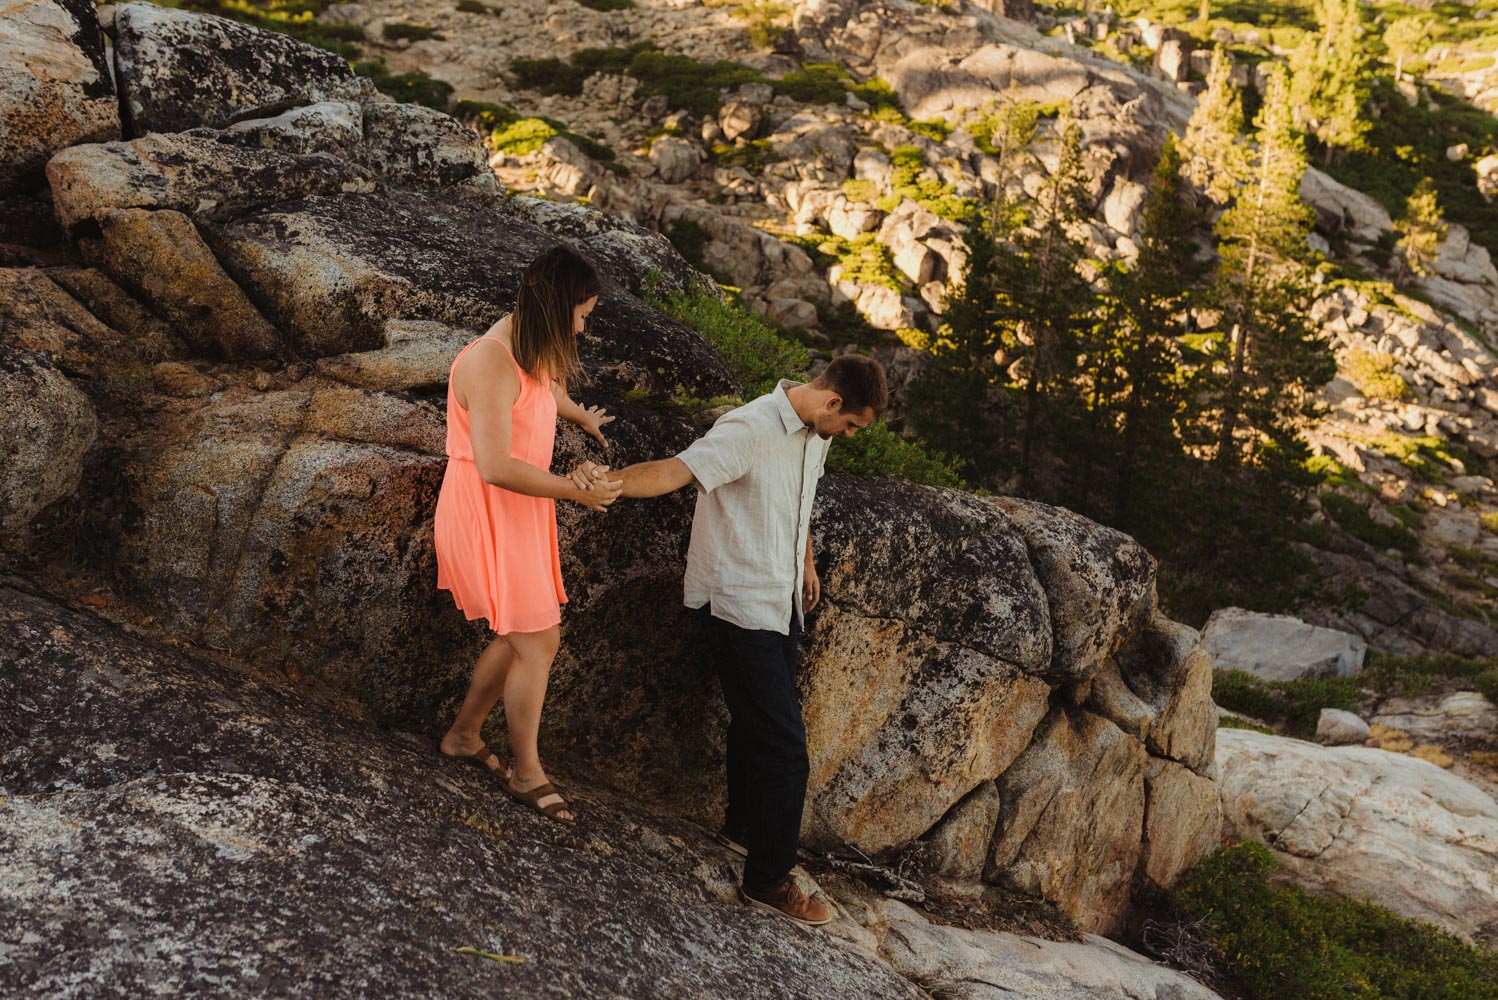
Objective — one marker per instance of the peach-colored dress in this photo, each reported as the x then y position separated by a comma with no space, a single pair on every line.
496,549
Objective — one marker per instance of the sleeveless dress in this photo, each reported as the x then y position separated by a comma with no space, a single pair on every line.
496,549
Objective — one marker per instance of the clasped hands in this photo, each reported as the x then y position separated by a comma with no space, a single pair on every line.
595,489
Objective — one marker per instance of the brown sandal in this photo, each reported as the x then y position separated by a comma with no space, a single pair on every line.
533,799
480,759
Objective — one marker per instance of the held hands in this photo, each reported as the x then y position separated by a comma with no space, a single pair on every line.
594,489
592,420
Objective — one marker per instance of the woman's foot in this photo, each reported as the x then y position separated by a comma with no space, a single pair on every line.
538,792
471,748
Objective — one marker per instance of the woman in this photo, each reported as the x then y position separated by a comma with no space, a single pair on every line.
496,529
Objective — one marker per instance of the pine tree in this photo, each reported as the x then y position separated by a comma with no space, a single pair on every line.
1331,78
1050,303
1420,231
1264,282
1148,303
1215,158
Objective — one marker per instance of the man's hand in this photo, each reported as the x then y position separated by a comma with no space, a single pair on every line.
811,589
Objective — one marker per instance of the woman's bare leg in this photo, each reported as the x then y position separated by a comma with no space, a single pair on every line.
525,693
484,691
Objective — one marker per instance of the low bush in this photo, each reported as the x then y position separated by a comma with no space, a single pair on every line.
878,451
521,137
415,87
395,31
1374,375
474,7
814,83
1357,522
1233,722
608,5
756,354
1281,942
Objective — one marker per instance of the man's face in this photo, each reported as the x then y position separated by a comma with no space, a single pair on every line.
834,421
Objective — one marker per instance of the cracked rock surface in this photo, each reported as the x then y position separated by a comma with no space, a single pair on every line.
1359,822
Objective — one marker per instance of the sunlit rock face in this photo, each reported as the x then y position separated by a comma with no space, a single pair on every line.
272,299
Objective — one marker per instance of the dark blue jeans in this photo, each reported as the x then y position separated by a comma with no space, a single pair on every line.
767,763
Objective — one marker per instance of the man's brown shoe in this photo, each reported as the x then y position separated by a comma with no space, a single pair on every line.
789,901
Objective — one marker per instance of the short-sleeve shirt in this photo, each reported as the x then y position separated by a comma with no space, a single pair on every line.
757,470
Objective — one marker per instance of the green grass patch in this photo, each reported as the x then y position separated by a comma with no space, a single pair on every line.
1281,942
753,156
1489,521
415,87
884,104
1334,474
475,7
864,259
1296,704
522,137
932,128
864,191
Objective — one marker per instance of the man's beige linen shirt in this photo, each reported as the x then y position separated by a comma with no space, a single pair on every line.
758,470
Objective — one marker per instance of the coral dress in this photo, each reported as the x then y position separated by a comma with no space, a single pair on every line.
496,549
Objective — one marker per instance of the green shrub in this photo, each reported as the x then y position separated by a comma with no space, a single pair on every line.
814,83
884,104
1358,523
397,30
685,82
1374,375
415,87
524,136
756,354
877,451
908,180
753,155
1281,942
474,7
1428,457
861,190
689,239
1334,474
765,17
608,5
933,128
865,259
485,115
1297,704
1489,520
1241,691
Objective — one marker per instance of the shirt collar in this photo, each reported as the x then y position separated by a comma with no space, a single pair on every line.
788,415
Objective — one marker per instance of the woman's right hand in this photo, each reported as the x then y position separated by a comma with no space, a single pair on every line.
592,487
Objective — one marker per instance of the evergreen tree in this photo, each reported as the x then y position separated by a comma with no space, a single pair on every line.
1420,231
1148,302
1264,288
1331,78
1215,158
1051,303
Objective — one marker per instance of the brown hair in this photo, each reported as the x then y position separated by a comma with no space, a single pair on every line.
551,286
859,380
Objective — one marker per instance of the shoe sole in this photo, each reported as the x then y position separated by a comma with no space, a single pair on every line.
732,845
781,913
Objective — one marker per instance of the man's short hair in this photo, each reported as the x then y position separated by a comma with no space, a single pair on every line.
859,380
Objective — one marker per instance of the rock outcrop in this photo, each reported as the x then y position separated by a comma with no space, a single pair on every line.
55,86
1364,823
46,428
269,453
1279,647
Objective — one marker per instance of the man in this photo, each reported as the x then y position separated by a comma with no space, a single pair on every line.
750,571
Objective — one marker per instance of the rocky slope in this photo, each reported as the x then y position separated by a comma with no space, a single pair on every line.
234,338
769,175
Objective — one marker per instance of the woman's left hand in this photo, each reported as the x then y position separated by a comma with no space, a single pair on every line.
593,419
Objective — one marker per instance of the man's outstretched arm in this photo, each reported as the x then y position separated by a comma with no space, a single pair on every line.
652,479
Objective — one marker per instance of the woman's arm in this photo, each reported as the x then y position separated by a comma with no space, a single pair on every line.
487,379
590,419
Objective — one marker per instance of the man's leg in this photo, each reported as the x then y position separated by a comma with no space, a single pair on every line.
759,688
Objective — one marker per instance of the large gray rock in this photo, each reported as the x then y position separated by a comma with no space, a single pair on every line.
55,87
46,427
1280,647
1360,214
1362,823
168,824
178,69
194,174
